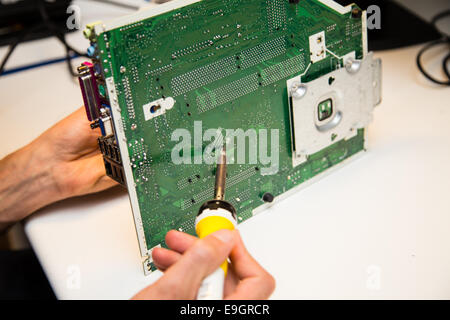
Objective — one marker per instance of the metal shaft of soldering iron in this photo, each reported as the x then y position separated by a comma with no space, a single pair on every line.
215,215
221,175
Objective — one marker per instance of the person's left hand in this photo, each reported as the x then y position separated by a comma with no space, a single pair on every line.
63,162
78,167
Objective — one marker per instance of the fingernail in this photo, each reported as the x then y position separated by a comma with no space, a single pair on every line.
224,235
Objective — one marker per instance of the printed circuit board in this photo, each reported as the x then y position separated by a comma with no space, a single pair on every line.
238,65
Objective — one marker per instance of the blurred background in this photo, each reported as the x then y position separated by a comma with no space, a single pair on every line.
35,33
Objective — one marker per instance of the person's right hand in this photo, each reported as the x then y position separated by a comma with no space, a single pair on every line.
191,260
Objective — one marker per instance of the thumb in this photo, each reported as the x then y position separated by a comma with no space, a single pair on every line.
203,258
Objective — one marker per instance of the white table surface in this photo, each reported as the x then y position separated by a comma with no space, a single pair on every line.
377,228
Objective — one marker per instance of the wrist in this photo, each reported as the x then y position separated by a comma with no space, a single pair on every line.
41,170
27,182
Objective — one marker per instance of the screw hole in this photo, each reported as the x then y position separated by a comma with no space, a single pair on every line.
155,108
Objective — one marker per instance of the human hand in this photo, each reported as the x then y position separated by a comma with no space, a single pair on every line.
78,167
63,162
190,260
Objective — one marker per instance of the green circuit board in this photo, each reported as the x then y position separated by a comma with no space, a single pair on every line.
225,63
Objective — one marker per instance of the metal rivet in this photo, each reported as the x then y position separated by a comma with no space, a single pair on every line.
353,66
298,90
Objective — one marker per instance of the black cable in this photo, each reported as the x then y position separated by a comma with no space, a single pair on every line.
438,17
422,69
69,63
445,40
59,35
20,38
47,23
54,29
445,65
11,49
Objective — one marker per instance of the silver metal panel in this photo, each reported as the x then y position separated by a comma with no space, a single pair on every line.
354,90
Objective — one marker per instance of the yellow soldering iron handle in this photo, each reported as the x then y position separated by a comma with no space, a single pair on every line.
210,221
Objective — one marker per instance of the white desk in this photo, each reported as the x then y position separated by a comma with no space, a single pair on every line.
383,230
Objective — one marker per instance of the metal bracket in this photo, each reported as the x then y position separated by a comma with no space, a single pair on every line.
353,91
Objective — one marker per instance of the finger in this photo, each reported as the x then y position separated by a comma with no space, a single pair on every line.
256,288
203,258
82,177
103,183
91,154
164,258
99,178
76,142
256,283
179,241
231,281
243,263
79,121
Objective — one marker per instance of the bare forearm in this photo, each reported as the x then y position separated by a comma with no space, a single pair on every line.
26,183
61,163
